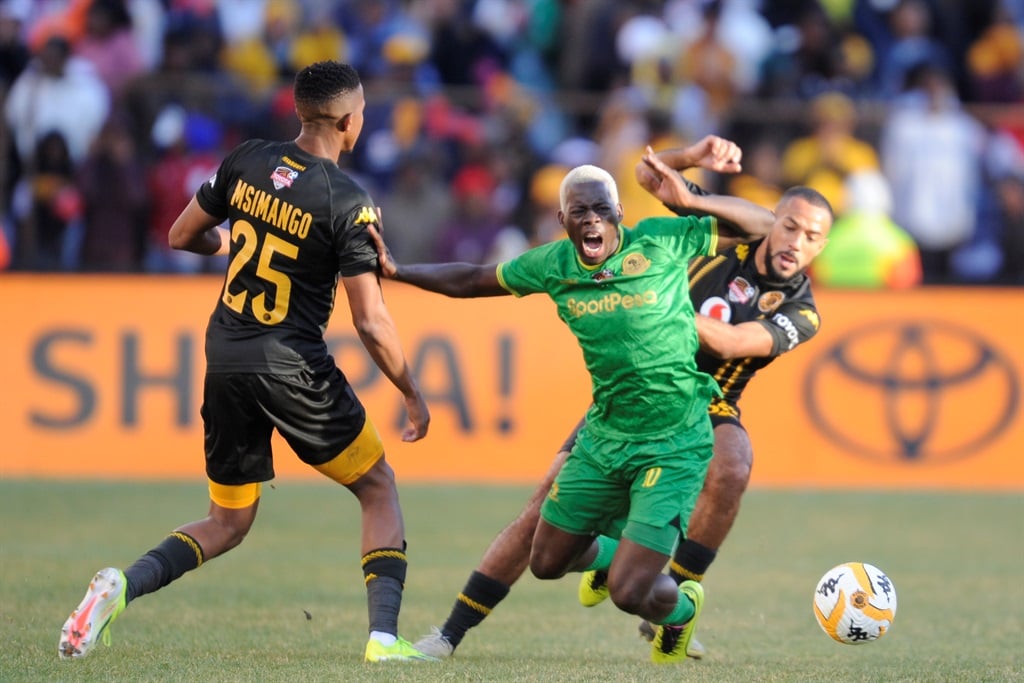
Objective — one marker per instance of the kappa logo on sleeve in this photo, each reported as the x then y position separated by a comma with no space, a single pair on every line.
812,317
367,216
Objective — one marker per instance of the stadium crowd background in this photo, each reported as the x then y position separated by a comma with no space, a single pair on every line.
905,113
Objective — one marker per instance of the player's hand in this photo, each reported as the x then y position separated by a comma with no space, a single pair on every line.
419,418
661,181
388,268
717,154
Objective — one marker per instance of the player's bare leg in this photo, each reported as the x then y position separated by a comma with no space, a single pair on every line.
503,563
719,501
377,493
508,555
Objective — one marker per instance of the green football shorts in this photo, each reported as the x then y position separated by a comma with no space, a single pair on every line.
632,490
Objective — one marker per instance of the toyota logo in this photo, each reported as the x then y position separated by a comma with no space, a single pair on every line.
912,392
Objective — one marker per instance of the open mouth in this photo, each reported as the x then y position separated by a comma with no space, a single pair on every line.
592,244
787,261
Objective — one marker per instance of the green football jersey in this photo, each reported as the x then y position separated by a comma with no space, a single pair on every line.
634,321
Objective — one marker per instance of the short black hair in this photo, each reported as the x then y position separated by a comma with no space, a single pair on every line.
321,82
809,195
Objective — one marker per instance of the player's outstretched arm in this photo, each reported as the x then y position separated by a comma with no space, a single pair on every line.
377,332
195,230
459,280
739,220
712,153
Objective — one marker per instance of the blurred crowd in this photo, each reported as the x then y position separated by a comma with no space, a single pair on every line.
905,113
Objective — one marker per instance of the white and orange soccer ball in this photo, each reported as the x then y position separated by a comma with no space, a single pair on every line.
855,603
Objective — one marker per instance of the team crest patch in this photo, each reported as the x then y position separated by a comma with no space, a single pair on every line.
283,177
718,308
367,216
634,264
769,301
741,291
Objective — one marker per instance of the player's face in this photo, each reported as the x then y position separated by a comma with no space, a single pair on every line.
591,219
799,234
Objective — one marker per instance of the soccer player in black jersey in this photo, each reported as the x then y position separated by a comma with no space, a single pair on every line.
296,223
753,303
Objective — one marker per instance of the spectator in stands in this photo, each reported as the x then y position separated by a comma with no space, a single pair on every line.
911,44
116,203
417,207
760,181
706,71
469,235
807,58
46,202
1010,191
109,44
994,61
57,91
14,54
931,150
825,158
190,152
866,249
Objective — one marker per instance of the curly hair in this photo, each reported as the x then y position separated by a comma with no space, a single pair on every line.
321,82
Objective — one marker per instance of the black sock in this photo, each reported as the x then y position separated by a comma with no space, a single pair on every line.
480,595
384,572
176,554
690,561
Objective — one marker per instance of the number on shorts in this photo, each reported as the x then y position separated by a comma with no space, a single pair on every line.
651,477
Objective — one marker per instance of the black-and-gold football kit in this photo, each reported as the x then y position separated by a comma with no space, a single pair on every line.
297,222
729,288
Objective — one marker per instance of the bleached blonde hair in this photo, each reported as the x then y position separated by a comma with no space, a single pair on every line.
587,173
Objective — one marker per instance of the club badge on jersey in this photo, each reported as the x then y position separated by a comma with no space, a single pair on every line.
283,177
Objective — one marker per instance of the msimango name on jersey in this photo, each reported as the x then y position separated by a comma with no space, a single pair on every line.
270,209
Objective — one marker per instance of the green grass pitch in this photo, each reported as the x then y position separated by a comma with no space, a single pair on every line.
957,561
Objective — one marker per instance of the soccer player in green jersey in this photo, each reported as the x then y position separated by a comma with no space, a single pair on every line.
641,456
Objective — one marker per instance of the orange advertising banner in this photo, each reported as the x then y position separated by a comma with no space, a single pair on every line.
101,377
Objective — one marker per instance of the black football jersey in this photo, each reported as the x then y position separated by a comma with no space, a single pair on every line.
728,287
297,223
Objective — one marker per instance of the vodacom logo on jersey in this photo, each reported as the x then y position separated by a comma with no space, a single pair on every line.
610,303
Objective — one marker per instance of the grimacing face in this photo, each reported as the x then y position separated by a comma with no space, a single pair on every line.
798,235
591,219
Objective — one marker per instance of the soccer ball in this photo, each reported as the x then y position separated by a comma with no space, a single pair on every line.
855,603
